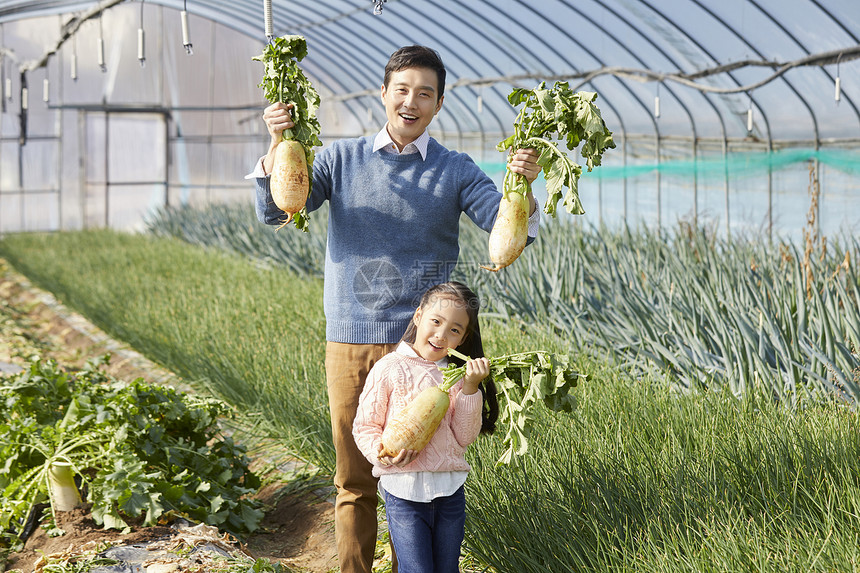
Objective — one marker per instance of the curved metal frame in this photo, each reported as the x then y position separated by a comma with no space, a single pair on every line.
320,17
349,47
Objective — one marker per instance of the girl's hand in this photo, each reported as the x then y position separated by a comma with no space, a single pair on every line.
404,458
476,370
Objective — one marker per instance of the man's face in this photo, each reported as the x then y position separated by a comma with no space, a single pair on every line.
411,101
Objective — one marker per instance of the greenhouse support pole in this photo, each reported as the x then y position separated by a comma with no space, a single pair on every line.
60,116
213,73
817,167
770,188
22,141
59,126
162,101
1,171
695,180
624,180
82,166
726,183
107,167
600,200
167,160
659,201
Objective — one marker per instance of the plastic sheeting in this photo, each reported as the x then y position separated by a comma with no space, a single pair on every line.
679,81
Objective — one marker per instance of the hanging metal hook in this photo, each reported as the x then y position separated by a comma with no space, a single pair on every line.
377,7
837,93
750,115
141,40
100,46
267,20
186,33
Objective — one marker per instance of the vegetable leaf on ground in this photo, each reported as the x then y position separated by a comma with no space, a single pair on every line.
138,450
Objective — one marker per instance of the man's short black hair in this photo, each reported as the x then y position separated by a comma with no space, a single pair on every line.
416,57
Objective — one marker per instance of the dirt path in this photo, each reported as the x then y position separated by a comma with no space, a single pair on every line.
297,530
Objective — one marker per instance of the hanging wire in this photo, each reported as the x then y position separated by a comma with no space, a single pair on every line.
377,7
141,40
25,105
74,64
25,93
5,90
267,19
838,88
750,116
101,46
186,34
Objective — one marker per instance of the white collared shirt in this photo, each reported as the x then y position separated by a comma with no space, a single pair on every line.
383,141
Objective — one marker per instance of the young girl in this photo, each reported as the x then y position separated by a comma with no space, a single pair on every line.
423,491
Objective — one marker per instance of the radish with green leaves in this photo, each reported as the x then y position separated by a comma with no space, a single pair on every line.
547,115
284,82
522,379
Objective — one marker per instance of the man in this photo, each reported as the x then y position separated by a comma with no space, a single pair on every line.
395,202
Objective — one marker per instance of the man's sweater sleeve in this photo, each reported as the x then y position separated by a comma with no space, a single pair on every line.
480,198
267,211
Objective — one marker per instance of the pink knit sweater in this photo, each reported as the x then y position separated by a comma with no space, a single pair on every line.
392,382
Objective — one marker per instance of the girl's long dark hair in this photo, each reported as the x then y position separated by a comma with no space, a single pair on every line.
471,345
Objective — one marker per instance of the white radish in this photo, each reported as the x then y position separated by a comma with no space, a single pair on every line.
510,231
413,427
290,182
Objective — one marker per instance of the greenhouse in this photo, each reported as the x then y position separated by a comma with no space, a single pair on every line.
600,300
723,112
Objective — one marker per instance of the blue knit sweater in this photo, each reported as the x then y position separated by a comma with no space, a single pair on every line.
393,230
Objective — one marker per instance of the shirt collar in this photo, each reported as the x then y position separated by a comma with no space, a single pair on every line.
406,349
383,141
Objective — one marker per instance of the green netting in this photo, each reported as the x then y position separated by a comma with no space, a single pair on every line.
734,164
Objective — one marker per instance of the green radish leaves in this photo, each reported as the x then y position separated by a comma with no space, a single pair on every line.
522,380
284,81
550,115
141,451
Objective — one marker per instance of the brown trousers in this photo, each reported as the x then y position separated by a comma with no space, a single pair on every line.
355,522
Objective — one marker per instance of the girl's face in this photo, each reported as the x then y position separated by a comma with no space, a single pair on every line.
440,324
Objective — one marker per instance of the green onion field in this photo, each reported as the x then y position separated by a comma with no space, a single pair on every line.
717,428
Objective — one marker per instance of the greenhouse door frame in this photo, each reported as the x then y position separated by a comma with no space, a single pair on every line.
90,182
